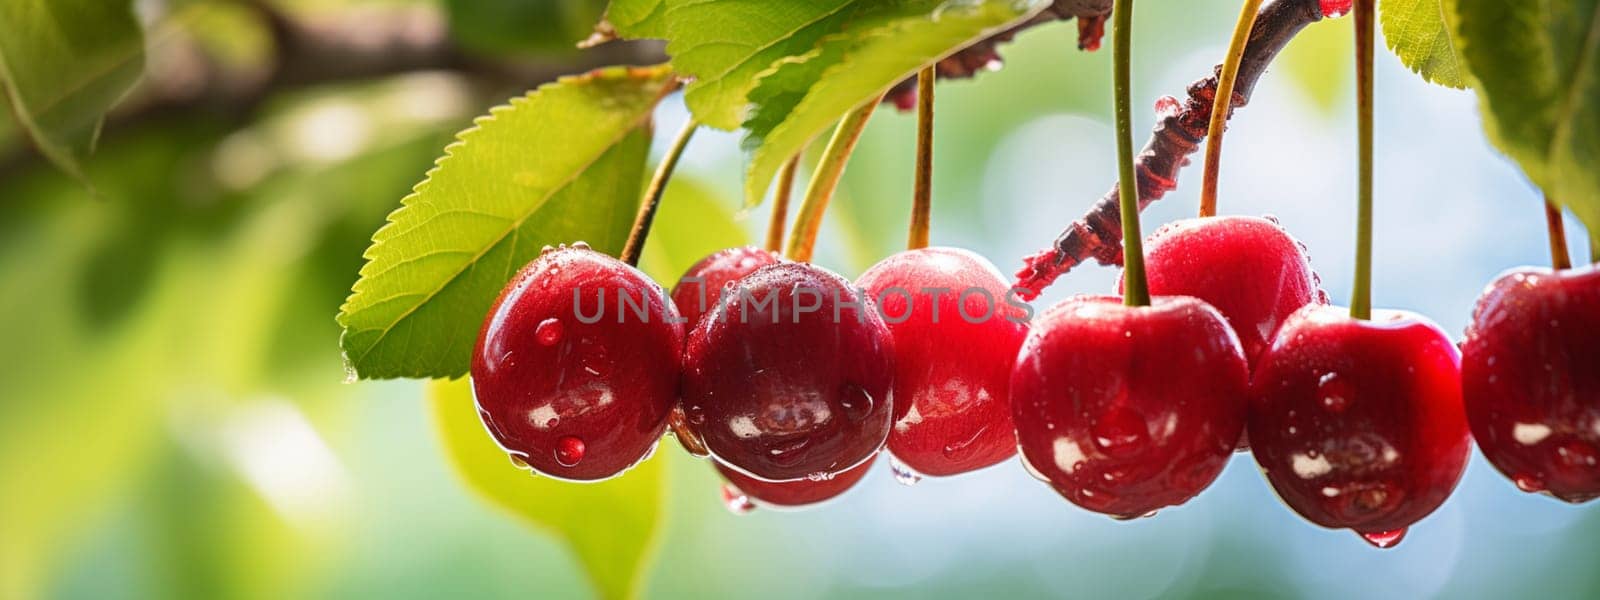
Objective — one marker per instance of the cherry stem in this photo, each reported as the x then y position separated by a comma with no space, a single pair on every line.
652,194
1136,292
1223,104
1361,296
922,195
780,204
830,167
1559,259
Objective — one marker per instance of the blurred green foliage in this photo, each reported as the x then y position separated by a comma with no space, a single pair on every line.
63,63
525,27
612,526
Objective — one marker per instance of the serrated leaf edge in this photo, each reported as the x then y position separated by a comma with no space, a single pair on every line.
379,238
754,199
1393,45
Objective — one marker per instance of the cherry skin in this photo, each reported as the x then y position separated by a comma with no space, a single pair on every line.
956,333
1333,9
574,399
1530,374
696,292
1249,268
1359,424
698,289
1126,410
789,376
793,494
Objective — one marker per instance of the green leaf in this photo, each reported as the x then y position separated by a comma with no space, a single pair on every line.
1539,84
726,44
1420,33
612,526
521,26
800,97
637,19
64,63
563,164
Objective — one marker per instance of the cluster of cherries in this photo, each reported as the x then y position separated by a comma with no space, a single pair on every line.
1124,410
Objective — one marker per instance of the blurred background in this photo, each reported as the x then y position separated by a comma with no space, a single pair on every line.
174,420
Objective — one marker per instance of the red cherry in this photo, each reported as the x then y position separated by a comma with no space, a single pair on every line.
956,332
1530,374
1126,410
1358,424
698,290
1333,9
569,398
789,494
1249,268
789,377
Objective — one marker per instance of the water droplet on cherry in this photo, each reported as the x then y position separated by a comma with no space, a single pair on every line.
1333,9
1384,539
1335,392
902,473
548,332
1577,456
516,461
569,451
1120,432
855,401
1528,483
736,501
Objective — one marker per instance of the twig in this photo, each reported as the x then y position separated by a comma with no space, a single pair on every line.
1098,234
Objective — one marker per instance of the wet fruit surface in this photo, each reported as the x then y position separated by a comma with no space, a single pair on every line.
1530,371
698,289
955,337
1359,424
1248,268
791,494
790,378
1128,410
576,367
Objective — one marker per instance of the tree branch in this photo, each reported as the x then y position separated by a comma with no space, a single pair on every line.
1177,135
325,47
969,61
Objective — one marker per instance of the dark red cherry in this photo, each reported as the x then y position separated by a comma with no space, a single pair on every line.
1530,374
697,291
788,494
1126,410
1358,424
956,331
577,365
789,376
1248,268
